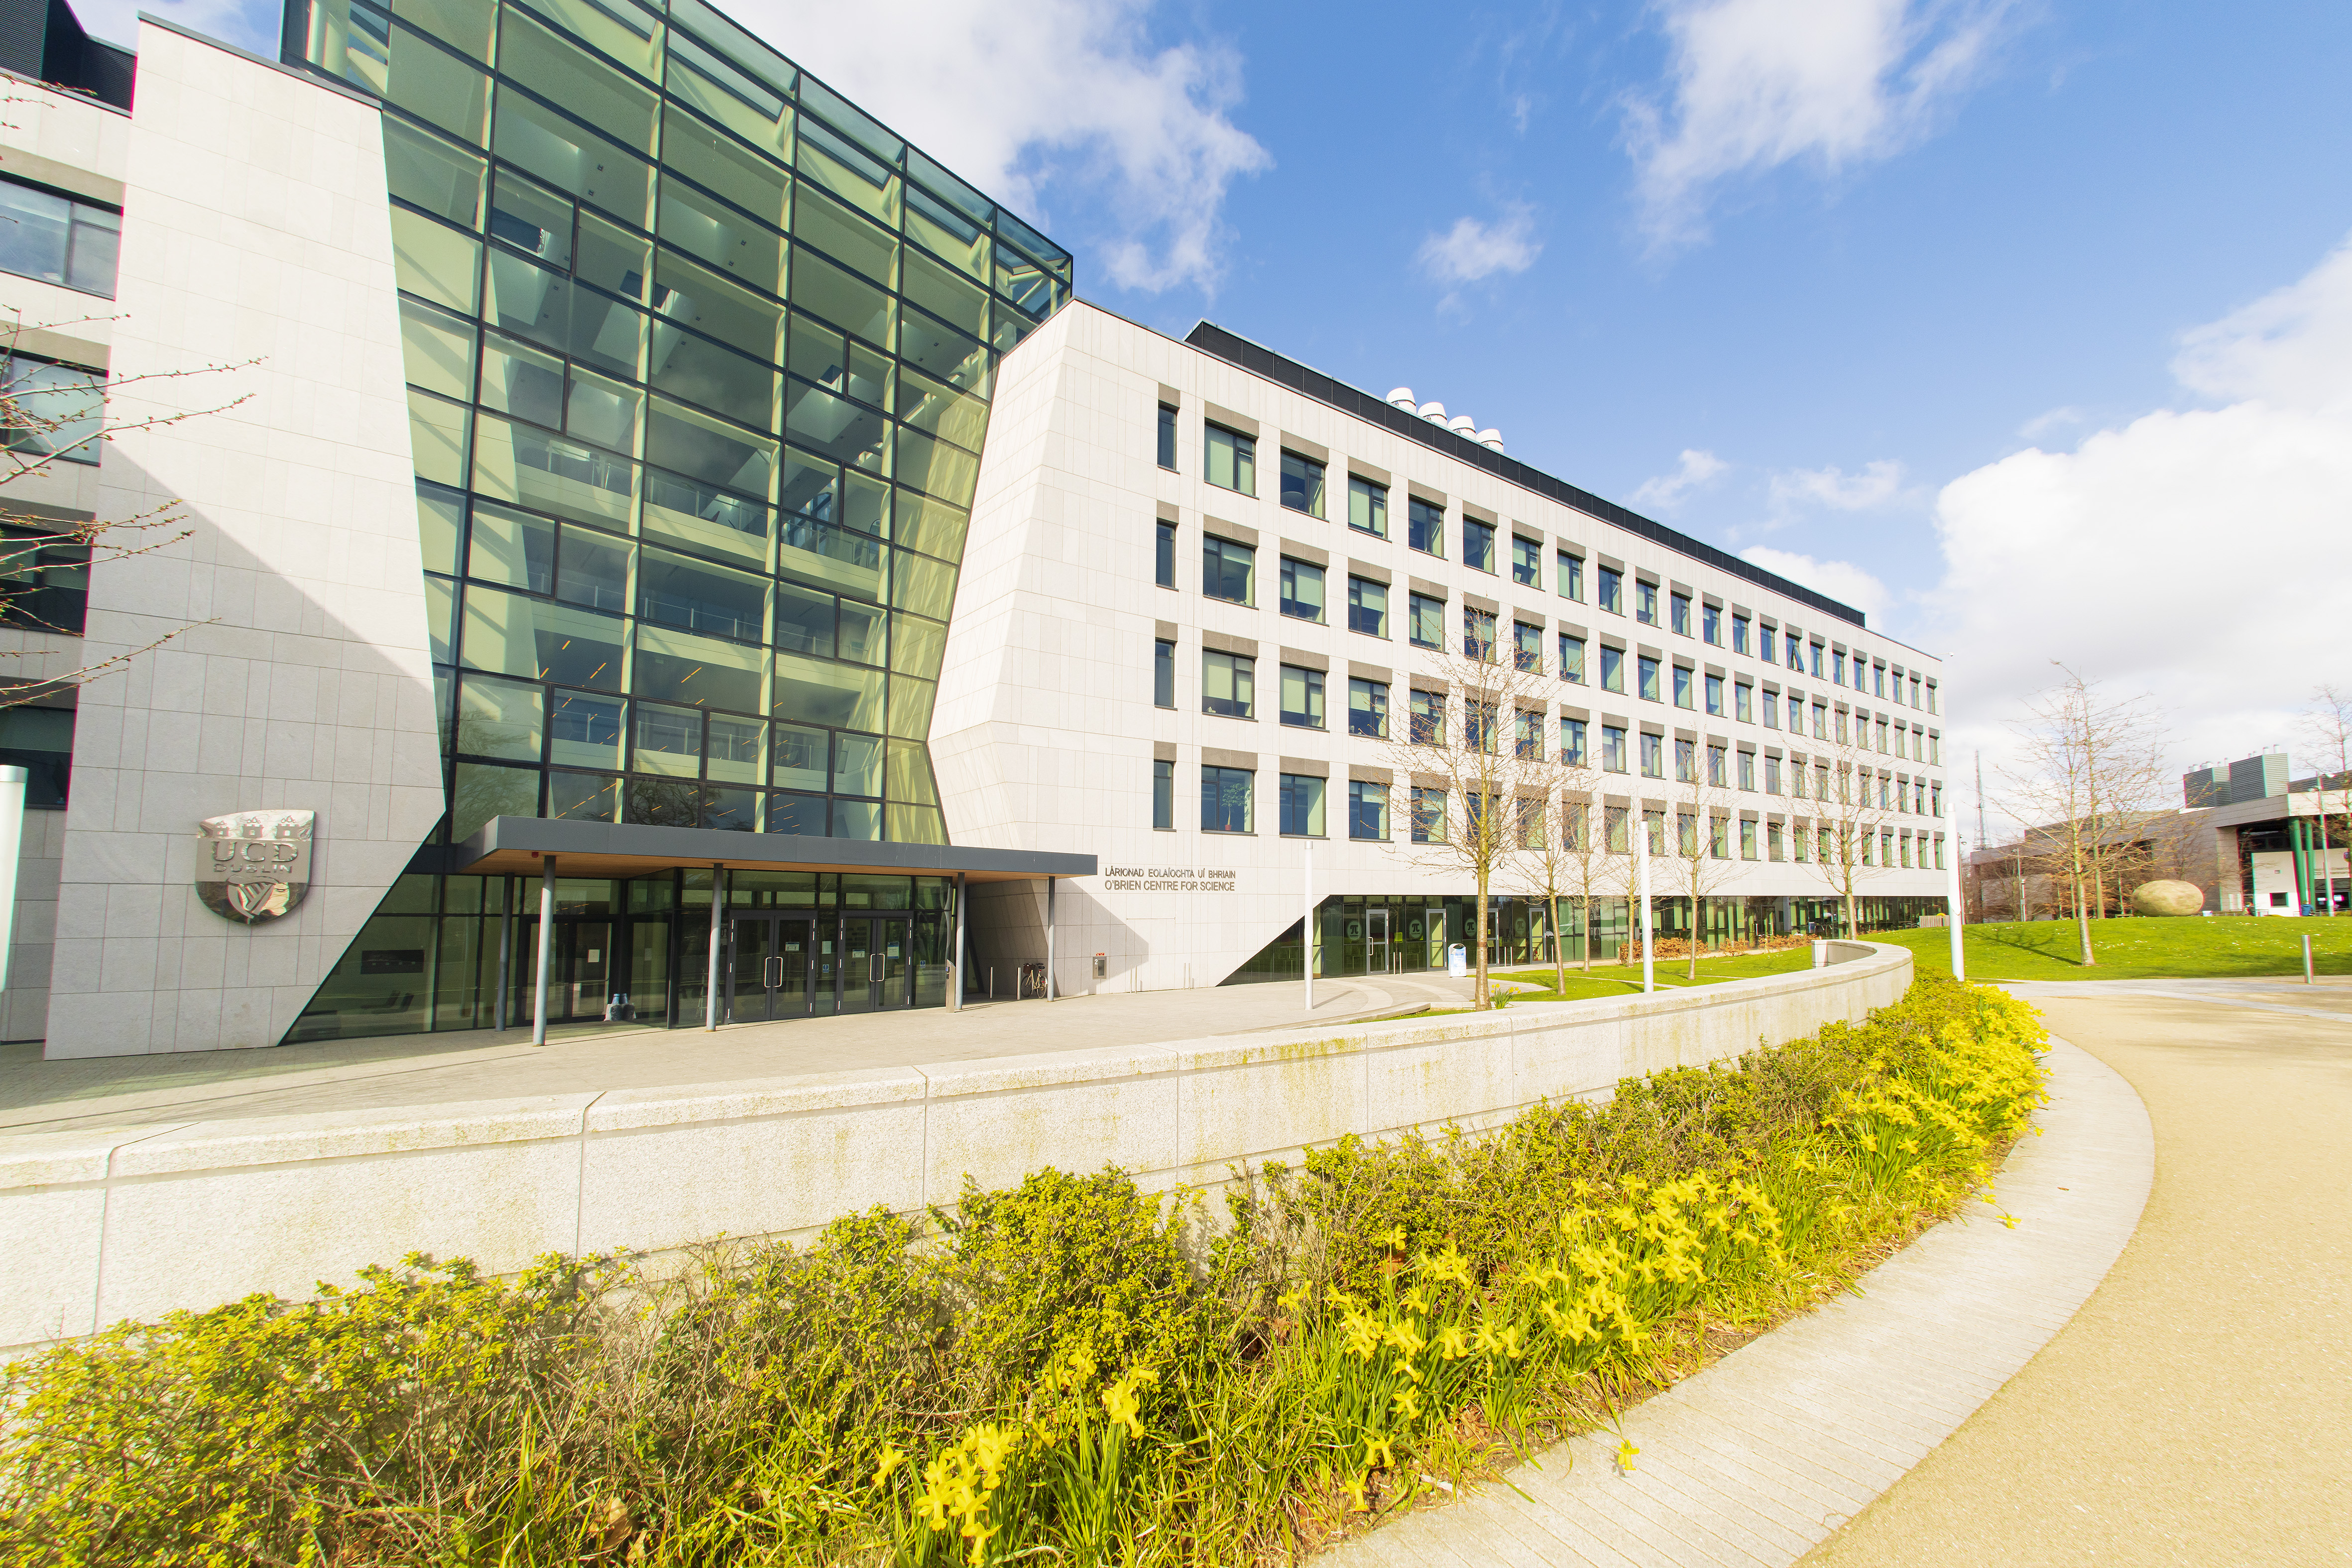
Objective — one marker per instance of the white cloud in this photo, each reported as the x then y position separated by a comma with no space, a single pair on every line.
2196,555
2055,419
1759,83
1666,492
1832,486
1841,579
249,23
1066,102
1471,250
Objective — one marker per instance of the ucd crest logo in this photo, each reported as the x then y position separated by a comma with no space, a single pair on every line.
253,866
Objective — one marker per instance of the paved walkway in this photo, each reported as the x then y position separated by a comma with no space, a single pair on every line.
38,1096
1763,1455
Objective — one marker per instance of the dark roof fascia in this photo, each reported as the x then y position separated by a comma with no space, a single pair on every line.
701,846
1258,360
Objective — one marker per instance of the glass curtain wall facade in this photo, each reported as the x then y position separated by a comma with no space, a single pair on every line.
699,359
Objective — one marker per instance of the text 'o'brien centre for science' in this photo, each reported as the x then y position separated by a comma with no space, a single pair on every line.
593,503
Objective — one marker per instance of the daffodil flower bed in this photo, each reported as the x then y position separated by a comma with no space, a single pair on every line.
1070,1372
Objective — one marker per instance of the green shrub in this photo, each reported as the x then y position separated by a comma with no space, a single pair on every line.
1070,1367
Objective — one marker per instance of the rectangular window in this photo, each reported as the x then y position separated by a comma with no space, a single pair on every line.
1719,838
1168,435
1717,760
1163,674
1613,669
1368,708
1645,685
1428,718
1772,840
1646,603
1743,703
1746,838
1611,591
1568,575
1302,698
1527,639
1613,827
1797,836
1837,671
51,236
1771,776
1654,757
1226,571
1478,545
1571,742
1796,652
1227,801
1771,709
1368,507
1425,526
1679,607
1571,658
1163,797
1480,728
1935,749
1747,770
1818,652
1821,721
1429,816
1527,738
1841,726
1301,799
48,409
1796,714
1685,681
1368,810
1368,607
1714,695
1302,590
1164,566
1685,762
1915,691
1526,562
1425,620
1612,748
1228,685
1478,634
1231,460
1739,636
1302,483
1710,625
1882,735
1878,680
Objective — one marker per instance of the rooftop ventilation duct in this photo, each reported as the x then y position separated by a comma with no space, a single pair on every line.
1402,397
1433,411
1490,439
1462,425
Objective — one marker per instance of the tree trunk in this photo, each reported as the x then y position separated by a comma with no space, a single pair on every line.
2083,922
1478,996
1692,973
1559,953
1587,933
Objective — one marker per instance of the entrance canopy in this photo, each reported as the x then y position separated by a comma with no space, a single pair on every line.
515,846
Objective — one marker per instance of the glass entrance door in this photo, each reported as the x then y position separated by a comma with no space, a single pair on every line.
583,965
1376,941
770,959
875,970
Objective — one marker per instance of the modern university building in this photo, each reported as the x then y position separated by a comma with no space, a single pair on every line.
618,477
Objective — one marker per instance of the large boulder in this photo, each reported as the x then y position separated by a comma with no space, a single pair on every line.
2168,898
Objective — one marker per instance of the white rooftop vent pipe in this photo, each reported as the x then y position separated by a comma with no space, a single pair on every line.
1433,411
1490,439
1402,397
1464,426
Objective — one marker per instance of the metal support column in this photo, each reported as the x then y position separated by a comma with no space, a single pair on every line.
962,945
717,915
1958,914
1051,989
505,946
546,945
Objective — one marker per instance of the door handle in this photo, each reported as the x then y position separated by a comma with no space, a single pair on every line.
874,977
772,973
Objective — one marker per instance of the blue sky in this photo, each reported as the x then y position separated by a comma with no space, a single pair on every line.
2025,324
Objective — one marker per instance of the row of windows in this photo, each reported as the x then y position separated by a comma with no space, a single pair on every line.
1230,462
479,791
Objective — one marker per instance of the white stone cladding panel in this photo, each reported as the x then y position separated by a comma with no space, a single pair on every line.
1044,731
256,237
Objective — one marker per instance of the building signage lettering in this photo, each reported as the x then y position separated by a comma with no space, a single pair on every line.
1168,879
253,866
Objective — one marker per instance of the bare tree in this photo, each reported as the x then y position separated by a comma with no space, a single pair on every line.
2328,726
1467,750
2092,769
1565,860
1851,808
1700,849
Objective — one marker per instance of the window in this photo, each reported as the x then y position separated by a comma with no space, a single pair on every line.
1612,828
1771,709
1226,800
1796,652
1527,738
1679,607
1646,603
1368,810
1915,692
1719,838
1571,658
45,587
1481,728
1228,685
1368,607
48,409
1714,695
1368,507
1686,680
1796,714
1478,545
1747,770
1931,696
1797,842
1613,669
1163,674
1527,638
1717,760
1226,571
1612,748
1646,679
1710,624
1425,526
1935,747
1841,726
1654,757
1743,703
1611,591
1302,485
1163,796
51,236
1425,620
1164,566
1478,634
1368,708
1685,762
1656,822
1428,816
1568,575
1837,671
1302,698
1771,776
1168,435
1740,637
1939,854
1231,460
1300,797
1571,742
1748,838
1821,721
1878,680
1818,651
1302,590
1526,562
1428,717
1882,735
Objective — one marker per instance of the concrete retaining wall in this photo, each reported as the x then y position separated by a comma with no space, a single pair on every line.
96,1227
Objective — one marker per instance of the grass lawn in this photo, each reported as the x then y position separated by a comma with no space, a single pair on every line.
2138,949
1625,979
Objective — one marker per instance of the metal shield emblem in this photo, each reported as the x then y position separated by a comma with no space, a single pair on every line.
253,866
